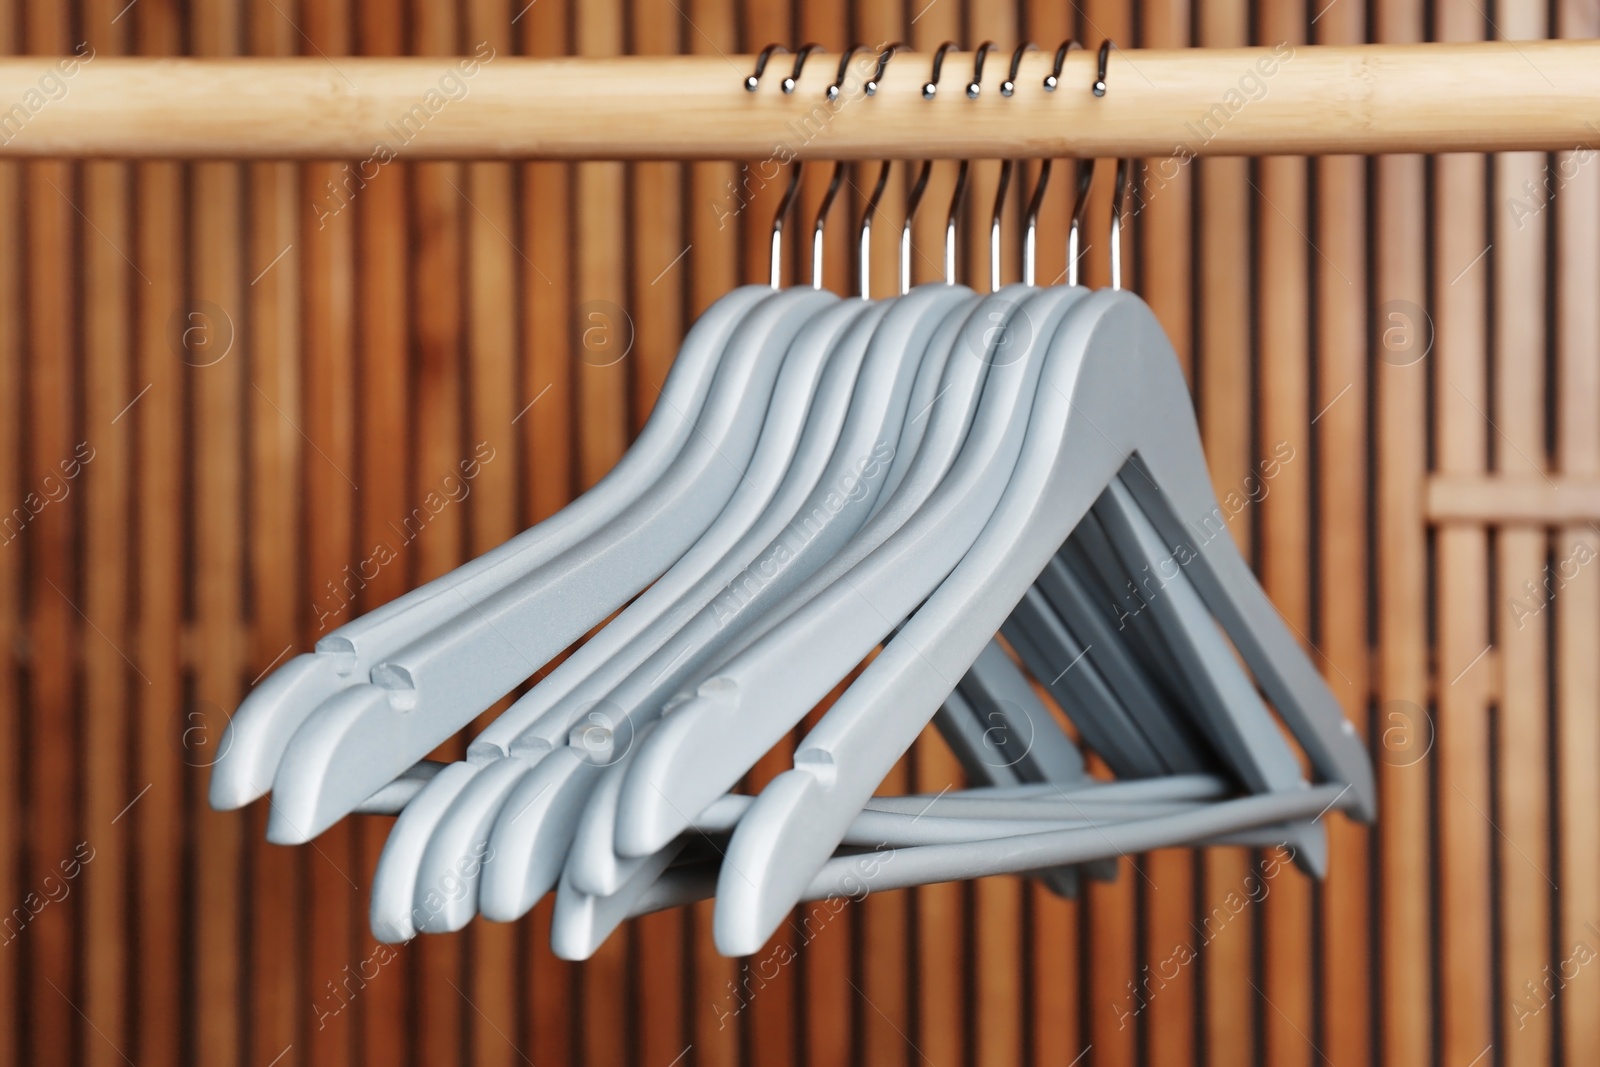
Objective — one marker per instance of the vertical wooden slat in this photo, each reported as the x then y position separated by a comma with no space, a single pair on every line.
159,481
601,379
546,407
661,267
108,503
383,233
1222,381
1406,749
13,800
1524,583
278,994
1575,224
600,268
709,28
327,228
1463,790
1339,429
439,209
278,998
1162,227
1283,449
215,313
490,281
545,410
50,948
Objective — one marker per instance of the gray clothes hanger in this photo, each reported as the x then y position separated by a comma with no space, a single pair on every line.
1110,363
510,896
368,734
269,715
544,832
947,426
813,389
572,692
473,802
700,752
273,711
467,823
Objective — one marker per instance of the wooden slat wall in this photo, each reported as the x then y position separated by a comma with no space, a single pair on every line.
255,371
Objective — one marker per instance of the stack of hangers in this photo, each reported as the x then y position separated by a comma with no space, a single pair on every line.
824,478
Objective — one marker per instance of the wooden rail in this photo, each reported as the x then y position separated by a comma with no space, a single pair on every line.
1286,99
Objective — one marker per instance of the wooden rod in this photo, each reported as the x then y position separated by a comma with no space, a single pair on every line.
1367,99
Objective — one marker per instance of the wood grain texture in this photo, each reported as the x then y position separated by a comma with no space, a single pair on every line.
1421,330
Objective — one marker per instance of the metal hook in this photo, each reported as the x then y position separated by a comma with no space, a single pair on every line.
844,67
800,58
1053,79
1100,77
1079,207
932,85
822,214
975,86
1030,236
777,219
883,64
1119,205
754,80
994,225
1009,86
866,227
912,202
956,197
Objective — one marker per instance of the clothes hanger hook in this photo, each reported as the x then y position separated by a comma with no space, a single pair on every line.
912,202
1053,79
1080,205
800,58
956,197
1100,67
844,68
822,214
931,86
1009,86
975,86
994,225
782,213
865,237
883,64
1119,207
1030,237
754,80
